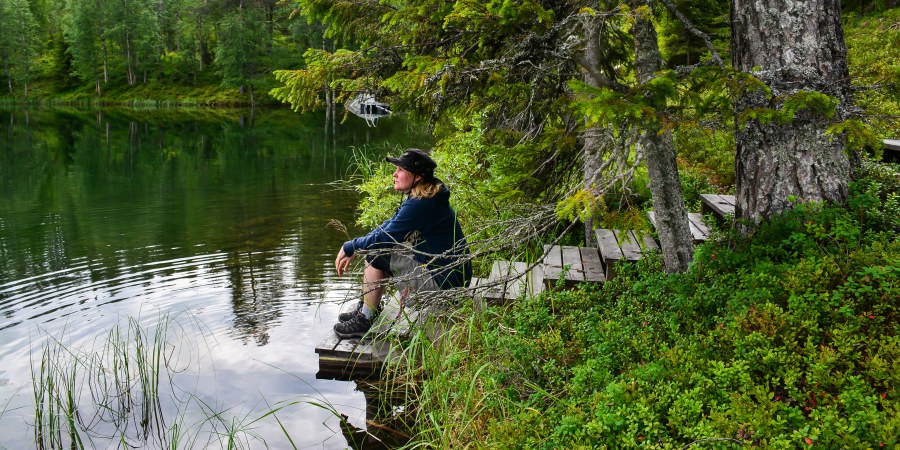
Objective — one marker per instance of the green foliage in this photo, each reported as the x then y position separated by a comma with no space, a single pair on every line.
678,46
816,103
581,205
872,40
859,136
877,196
707,151
19,40
786,339
239,45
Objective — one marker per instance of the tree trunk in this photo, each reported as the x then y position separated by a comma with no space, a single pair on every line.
105,63
129,63
7,72
668,200
798,45
592,137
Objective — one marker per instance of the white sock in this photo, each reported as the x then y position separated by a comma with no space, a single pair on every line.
367,312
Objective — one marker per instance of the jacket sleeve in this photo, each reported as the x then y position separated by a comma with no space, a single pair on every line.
410,217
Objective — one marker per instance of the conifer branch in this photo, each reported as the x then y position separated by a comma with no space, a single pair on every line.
693,30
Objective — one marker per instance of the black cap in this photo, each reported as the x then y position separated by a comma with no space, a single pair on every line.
417,162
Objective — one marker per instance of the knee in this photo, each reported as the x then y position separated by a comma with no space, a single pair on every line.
373,274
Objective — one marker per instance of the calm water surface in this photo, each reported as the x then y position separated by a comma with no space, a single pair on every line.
212,224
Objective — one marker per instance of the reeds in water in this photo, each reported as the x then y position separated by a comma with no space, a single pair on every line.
122,393
121,380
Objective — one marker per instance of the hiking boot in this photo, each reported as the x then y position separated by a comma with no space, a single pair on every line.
345,316
357,326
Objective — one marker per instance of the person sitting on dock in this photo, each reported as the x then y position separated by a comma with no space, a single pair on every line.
422,246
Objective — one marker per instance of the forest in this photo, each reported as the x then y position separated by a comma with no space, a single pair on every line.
182,51
552,119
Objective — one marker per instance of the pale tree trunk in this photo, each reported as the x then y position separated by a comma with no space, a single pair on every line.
659,149
592,137
105,64
796,45
7,72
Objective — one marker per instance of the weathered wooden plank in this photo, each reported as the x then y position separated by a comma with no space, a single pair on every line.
571,258
699,230
609,246
364,350
891,150
536,281
718,205
340,368
346,349
648,243
593,265
509,274
381,350
553,264
631,251
518,286
327,346
334,364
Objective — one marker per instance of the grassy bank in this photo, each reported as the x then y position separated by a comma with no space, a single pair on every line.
154,93
788,339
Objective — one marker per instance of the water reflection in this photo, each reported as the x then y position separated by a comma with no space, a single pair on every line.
111,214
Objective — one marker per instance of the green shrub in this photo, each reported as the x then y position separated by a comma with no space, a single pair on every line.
786,339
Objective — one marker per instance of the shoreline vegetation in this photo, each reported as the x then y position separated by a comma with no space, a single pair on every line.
148,96
789,338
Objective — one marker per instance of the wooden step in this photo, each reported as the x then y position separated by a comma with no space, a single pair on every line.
699,230
507,281
622,245
345,358
719,206
359,358
576,264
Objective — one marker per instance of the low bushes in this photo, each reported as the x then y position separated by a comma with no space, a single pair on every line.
787,339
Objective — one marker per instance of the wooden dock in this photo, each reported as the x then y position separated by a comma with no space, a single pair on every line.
563,266
362,358
351,358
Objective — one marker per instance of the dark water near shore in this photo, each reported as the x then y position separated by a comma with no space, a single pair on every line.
214,223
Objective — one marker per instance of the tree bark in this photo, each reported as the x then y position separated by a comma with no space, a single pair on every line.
796,45
592,137
665,186
7,72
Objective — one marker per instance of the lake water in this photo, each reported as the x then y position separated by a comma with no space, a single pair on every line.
203,231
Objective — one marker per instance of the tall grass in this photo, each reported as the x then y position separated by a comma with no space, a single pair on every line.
439,410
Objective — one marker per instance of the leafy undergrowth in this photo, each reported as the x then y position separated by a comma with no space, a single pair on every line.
788,339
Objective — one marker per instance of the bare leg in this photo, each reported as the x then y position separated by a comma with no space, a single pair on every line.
373,286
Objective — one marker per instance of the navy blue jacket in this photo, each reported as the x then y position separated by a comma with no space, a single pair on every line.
439,232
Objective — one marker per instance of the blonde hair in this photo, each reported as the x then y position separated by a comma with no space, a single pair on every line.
425,189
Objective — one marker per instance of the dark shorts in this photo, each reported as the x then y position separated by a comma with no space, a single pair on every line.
381,262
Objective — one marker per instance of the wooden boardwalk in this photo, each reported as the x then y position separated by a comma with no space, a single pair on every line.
563,266
891,150
699,230
361,358
345,358
577,264
622,245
